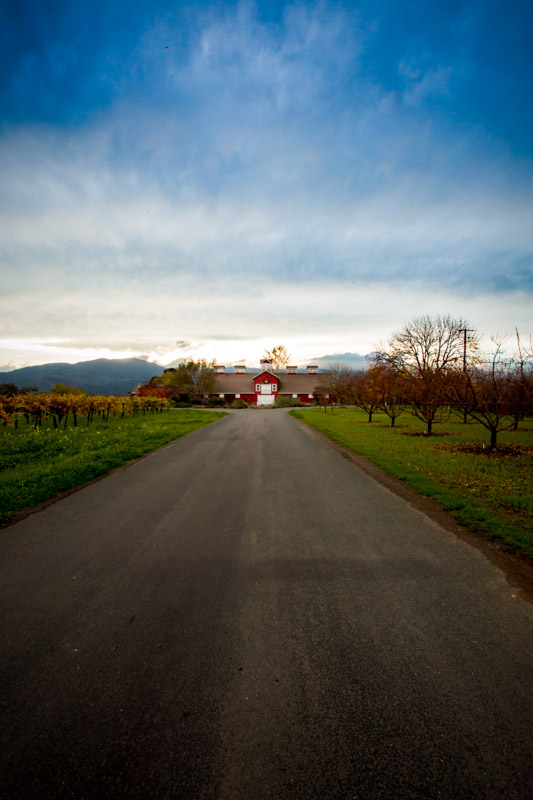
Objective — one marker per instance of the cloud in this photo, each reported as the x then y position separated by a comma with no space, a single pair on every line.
81,224
257,176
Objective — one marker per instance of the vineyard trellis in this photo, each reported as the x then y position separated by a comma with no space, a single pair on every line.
61,410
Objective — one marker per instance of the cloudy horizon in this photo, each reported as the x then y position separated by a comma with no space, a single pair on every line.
186,179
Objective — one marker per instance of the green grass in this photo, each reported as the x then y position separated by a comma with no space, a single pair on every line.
490,493
36,465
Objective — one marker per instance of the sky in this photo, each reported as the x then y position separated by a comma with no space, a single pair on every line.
208,180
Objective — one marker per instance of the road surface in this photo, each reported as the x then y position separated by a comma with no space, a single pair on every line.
244,614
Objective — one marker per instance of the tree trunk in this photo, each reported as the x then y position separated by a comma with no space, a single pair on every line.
493,435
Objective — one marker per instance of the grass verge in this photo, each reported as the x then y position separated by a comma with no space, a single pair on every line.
37,464
491,493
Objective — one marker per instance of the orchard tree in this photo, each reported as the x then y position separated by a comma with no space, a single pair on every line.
523,380
337,382
389,389
426,352
429,344
499,393
364,393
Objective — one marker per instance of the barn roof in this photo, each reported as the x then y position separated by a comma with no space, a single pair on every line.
298,384
230,383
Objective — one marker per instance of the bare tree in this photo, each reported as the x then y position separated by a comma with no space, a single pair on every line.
426,351
430,344
494,396
322,398
523,380
279,356
336,382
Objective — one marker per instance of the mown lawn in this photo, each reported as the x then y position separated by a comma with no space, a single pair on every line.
490,492
37,464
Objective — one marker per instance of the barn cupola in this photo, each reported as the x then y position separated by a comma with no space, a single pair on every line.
312,369
240,369
220,369
266,365
291,370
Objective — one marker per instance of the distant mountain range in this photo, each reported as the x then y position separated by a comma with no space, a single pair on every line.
100,376
118,376
353,360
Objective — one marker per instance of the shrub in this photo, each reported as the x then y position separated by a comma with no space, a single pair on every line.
285,401
239,404
216,402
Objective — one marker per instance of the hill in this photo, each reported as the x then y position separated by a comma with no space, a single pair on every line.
100,376
352,360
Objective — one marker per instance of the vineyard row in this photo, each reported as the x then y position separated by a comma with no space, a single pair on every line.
61,410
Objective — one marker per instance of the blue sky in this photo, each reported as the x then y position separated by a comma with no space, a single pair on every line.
210,179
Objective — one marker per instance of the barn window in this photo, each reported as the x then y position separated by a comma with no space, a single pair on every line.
257,387
274,387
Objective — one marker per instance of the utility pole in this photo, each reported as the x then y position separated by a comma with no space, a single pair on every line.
464,331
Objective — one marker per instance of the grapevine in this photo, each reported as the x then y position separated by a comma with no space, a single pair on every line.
64,410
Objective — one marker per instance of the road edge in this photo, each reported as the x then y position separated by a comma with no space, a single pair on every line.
27,512
516,566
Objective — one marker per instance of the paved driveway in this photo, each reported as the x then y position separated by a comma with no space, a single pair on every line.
244,615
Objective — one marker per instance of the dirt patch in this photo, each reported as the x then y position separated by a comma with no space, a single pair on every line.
427,435
501,451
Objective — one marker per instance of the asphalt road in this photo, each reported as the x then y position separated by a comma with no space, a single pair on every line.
245,614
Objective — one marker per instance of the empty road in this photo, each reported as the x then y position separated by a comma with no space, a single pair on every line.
244,614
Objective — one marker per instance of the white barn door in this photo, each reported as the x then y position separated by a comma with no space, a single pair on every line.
266,398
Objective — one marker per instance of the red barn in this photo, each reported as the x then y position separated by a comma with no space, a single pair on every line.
267,385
